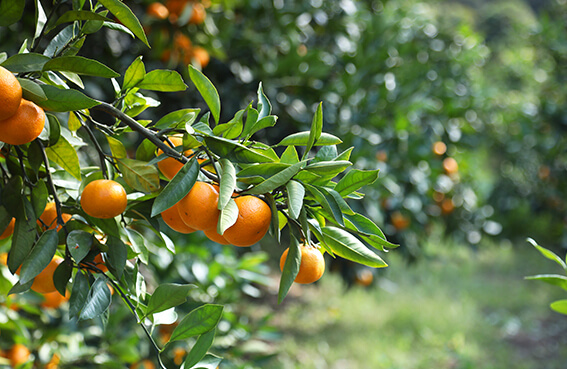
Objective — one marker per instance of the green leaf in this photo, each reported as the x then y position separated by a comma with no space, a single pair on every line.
80,65
79,294
75,15
162,80
275,221
61,277
295,194
290,155
316,129
227,182
559,306
231,129
168,295
79,244
554,279
199,349
177,188
62,100
146,150
251,120
548,253
126,17
264,170
199,321
117,255
277,180
40,256
290,270
264,105
302,139
228,216
98,300
11,11
23,240
207,91
236,152
31,90
327,201
64,155
51,130
354,180
117,148
328,168
265,122
24,63
39,197
369,231
178,119
139,175
134,74
210,361
349,247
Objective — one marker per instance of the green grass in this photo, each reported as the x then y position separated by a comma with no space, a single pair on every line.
456,309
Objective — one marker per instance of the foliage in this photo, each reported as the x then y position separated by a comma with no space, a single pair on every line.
303,178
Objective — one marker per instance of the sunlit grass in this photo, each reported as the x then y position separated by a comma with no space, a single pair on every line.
457,308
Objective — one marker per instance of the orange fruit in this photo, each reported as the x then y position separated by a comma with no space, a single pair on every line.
172,218
54,362
99,263
43,282
157,10
18,355
178,355
4,258
24,126
399,221
198,14
215,237
439,148
198,209
10,94
312,264
364,278
9,229
104,198
54,299
254,217
170,166
175,8
144,364
447,206
201,55
450,165
49,217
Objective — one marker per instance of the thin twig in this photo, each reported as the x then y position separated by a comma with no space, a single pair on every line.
101,154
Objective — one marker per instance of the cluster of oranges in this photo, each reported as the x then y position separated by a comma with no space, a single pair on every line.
21,121
182,49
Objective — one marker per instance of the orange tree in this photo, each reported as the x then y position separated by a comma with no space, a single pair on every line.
108,200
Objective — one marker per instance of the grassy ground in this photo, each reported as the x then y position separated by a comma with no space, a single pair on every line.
456,309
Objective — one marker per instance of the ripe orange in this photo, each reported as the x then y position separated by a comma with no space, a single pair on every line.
178,355
157,10
170,166
172,218
312,264
175,8
10,94
439,148
198,209
104,198
24,126
198,14
399,221
451,166
201,55
99,263
144,364
254,217
4,258
43,282
54,362
447,206
18,355
364,278
9,229
49,217
54,299
215,237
